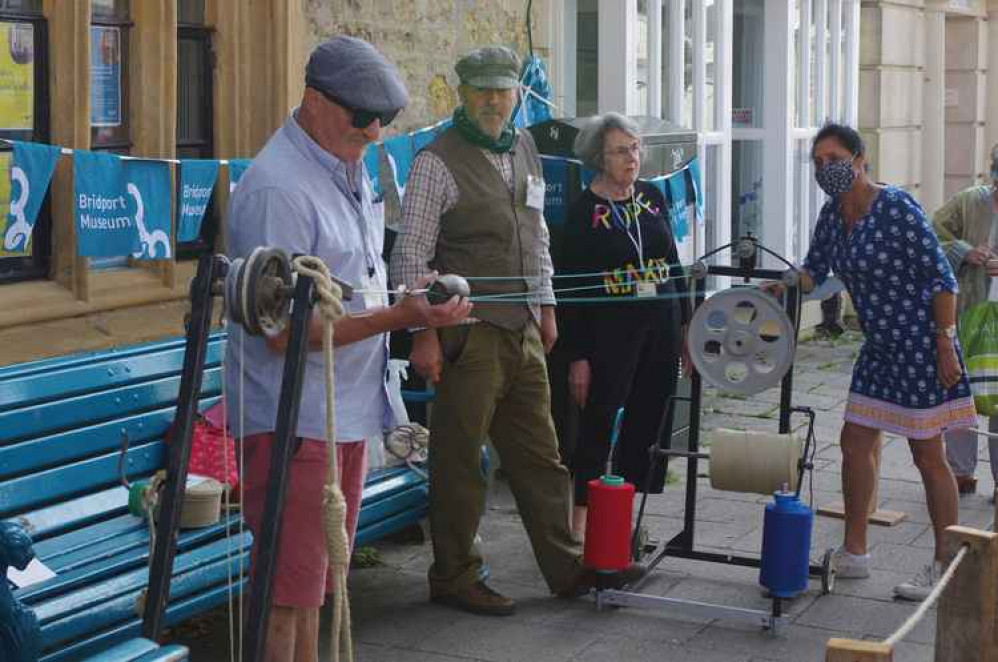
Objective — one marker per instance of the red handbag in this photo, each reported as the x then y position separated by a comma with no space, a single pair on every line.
213,451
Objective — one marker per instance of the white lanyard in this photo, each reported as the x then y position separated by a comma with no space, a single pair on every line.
639,245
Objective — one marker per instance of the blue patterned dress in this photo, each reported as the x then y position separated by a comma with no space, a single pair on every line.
892,266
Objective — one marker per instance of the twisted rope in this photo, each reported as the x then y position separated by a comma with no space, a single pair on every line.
334,505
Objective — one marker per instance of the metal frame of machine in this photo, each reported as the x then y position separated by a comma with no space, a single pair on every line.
259,292
747,251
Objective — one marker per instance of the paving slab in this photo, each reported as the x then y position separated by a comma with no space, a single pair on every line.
393,619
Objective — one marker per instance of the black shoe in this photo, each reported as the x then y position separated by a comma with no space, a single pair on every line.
478,599
588,579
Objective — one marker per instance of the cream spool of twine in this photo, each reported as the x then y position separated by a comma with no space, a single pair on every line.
202,503
756,462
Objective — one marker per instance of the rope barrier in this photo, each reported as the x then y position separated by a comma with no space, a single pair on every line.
930,600
334,504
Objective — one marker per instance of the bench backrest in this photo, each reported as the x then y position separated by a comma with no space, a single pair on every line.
61,425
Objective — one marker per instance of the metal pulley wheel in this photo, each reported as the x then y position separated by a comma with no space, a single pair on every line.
741,341
258,291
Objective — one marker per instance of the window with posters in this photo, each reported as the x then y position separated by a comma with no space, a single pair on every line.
24,113
109,129
109,26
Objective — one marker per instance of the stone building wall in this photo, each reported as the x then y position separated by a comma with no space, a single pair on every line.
424,38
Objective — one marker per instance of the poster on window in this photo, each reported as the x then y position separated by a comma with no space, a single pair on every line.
105,76
17,77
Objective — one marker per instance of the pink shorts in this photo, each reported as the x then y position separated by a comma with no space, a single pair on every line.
300,574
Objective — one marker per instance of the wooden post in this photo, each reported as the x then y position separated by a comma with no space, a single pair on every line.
965,622
852,650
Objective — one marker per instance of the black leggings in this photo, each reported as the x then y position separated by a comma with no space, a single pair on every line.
636,367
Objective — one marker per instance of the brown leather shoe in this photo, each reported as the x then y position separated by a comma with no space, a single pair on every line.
966,484
588,579
478,599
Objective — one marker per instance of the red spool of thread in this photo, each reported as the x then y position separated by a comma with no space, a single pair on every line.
608,524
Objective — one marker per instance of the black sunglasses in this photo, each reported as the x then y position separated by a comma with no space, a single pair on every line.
361,119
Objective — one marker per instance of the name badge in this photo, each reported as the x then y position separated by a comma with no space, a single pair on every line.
535,192
646,290
375,291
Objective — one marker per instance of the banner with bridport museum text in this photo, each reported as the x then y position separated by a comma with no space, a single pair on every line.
122,204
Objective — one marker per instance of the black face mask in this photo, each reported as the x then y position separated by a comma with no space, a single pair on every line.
835,177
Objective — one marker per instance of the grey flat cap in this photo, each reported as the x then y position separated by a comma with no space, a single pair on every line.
493,67
353,71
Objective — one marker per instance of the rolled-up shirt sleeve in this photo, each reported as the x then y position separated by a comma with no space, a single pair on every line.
818,261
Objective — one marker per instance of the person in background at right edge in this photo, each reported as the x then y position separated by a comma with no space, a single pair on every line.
967,226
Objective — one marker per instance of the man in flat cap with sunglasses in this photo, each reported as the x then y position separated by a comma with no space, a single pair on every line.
474,206
307,192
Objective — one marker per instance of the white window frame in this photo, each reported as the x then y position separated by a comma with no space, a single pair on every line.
833,50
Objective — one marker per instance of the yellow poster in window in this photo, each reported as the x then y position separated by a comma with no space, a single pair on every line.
17,76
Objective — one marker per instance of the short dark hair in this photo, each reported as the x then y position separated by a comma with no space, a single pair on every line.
846,136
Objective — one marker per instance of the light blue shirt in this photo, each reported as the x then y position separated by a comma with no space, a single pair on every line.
299,197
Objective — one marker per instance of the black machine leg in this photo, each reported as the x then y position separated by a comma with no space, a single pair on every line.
161,567
255,635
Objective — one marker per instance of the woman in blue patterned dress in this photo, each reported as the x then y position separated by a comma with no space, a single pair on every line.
909,378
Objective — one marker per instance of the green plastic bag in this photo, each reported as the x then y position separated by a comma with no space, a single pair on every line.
979,340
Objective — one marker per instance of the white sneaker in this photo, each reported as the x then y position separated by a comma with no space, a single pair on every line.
850,566
919,587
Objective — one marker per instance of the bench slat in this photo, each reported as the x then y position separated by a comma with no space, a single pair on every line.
64,447
175,613
125,652
389,525
384,508
59,384
75,513
72,413
27,368
38,489
108,560
190,570
55,547
164,654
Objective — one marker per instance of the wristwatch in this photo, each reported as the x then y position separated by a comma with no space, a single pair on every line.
947,332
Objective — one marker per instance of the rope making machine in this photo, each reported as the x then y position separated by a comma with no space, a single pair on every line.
261,294
741,341
267,293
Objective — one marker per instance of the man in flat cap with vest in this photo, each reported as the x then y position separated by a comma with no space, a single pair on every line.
307,192
474,206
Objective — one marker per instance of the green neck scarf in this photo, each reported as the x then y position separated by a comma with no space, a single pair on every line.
476,136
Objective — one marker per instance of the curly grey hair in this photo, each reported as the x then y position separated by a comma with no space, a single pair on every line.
590,141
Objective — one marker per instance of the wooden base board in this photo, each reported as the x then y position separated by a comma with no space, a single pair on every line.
878,517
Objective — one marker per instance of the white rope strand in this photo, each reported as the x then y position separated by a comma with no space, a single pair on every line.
330,306
929,601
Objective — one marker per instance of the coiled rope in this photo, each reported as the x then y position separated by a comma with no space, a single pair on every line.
334,505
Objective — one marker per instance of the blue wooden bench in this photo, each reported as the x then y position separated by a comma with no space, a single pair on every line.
61,422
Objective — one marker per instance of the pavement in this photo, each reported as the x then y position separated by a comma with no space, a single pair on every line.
392,619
